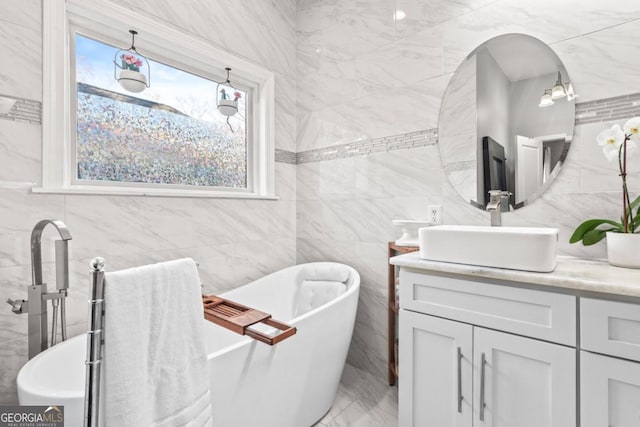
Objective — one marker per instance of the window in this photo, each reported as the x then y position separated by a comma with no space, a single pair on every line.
171,133
169,139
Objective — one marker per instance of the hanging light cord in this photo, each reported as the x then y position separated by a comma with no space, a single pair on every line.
133,40
229,124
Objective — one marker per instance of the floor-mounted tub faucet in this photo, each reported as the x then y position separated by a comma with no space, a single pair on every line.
36,304
498,203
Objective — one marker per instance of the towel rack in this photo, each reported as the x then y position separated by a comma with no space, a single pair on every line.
223,312
94,344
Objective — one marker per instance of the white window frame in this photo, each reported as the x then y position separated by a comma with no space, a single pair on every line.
113,22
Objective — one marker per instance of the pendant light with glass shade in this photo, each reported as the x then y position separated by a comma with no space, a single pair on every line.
546,100
130,61
227,98
558,91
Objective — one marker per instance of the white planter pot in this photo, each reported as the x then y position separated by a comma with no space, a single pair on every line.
623,249
227,107
132,81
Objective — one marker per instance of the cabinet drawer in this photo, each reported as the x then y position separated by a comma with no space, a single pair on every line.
610,327
536,314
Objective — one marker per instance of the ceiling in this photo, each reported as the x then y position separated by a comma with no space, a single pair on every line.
522,58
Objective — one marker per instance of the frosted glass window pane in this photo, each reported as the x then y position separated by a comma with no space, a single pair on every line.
171,133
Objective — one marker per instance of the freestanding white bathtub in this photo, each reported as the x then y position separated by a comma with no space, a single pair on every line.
292,384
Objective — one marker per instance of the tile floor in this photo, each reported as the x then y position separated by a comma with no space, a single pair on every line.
363,400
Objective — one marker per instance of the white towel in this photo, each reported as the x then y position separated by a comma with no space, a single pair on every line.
312,294
155,364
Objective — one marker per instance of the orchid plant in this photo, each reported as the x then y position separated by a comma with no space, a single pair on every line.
617,143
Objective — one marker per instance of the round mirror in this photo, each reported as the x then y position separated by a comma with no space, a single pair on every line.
506,120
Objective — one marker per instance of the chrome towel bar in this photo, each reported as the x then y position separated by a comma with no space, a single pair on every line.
94,344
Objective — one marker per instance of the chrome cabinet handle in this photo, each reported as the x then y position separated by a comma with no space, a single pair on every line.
460,398
483,362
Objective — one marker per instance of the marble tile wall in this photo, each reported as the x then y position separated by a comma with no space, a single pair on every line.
235,241
364,76
347,73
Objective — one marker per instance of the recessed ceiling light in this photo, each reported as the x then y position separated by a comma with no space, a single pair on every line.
399,15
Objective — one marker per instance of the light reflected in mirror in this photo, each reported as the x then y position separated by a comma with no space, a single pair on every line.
506,120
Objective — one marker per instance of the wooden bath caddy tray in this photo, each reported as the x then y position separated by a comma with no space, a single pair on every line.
238,318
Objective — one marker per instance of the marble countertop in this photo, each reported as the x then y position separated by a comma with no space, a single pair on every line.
571,273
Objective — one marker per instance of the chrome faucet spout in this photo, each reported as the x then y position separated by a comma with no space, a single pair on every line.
36,304
498,203
493,206
36,243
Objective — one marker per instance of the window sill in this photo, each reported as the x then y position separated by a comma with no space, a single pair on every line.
151,192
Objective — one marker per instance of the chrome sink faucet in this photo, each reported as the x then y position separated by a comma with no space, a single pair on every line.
498,203
36,304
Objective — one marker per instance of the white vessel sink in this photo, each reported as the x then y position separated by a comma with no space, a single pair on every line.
516,248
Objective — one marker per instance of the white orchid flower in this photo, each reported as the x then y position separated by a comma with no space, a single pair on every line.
610,141
616,144
632,128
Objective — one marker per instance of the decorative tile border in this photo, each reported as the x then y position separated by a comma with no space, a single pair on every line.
24,110
600,110
604,110
361,148
284,156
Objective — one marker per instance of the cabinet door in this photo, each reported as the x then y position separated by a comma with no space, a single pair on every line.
522,382
435,372
609,391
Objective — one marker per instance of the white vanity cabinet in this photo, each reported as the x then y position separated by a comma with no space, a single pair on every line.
459,367
558,349
436,357
609,364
